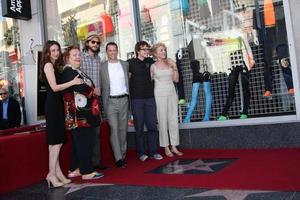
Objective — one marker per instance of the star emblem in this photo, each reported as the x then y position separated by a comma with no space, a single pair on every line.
200,165
228,194
73,187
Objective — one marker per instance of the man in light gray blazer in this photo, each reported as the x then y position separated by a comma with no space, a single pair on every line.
115,95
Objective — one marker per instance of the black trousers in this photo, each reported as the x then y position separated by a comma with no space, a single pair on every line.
179,85
82,148
233,79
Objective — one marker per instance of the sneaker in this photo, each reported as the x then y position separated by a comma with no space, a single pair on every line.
143,157
267,93
222,118
243,116
291,91
157,156
181,101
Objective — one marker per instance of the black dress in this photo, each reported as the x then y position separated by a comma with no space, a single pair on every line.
55,117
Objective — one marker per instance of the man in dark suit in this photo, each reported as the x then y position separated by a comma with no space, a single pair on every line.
115,92
10,113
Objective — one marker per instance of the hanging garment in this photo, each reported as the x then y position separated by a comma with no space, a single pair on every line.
180,4
269,13
204,9
272,37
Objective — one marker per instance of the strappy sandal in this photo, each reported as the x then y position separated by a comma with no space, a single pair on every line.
73,174
92,176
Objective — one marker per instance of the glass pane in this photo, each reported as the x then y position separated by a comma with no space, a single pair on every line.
69,23
10,66
227,37
161,21
236,50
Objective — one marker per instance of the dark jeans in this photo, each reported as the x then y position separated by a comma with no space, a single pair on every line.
274,40
82,148
233,79
283,53
144,112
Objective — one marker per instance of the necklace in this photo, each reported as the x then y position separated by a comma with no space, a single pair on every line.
85,77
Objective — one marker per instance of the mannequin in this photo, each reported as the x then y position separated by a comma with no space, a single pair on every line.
238,69
242,62
269,23
198,79
180,86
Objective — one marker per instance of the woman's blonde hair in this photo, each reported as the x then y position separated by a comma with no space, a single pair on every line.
156,46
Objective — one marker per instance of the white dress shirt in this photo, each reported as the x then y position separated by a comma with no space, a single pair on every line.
116,79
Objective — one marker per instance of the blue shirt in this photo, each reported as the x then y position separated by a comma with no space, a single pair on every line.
5,106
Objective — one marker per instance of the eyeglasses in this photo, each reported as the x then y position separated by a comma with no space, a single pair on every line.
145,49
93,42
3,93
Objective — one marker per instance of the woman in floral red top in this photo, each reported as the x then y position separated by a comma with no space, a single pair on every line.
82,116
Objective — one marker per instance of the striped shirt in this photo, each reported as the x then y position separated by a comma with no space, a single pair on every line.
91,66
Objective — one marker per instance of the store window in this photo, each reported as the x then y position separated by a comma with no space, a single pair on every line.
232,55
235,60
69,23
10,62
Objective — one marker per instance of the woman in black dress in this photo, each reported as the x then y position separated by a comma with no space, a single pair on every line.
50,72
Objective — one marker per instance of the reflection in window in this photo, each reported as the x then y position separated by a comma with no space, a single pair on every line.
70,23
11,75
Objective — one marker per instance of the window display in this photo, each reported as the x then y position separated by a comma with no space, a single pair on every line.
236,50
244,43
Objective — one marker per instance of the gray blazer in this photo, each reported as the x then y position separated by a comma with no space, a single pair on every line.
104,81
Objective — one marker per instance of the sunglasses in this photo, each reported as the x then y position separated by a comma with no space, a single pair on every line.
3,93
93,42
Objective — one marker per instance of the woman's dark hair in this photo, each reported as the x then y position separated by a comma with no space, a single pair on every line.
45,58
67,52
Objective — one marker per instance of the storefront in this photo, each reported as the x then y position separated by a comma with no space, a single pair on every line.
11,70
236,57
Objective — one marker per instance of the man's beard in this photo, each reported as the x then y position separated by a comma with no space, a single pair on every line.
94,51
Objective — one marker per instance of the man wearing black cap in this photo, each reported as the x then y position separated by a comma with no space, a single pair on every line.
91,64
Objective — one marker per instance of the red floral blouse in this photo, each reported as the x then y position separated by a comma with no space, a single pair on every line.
81,104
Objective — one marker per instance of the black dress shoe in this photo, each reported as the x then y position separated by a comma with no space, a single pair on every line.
121,163
100,167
